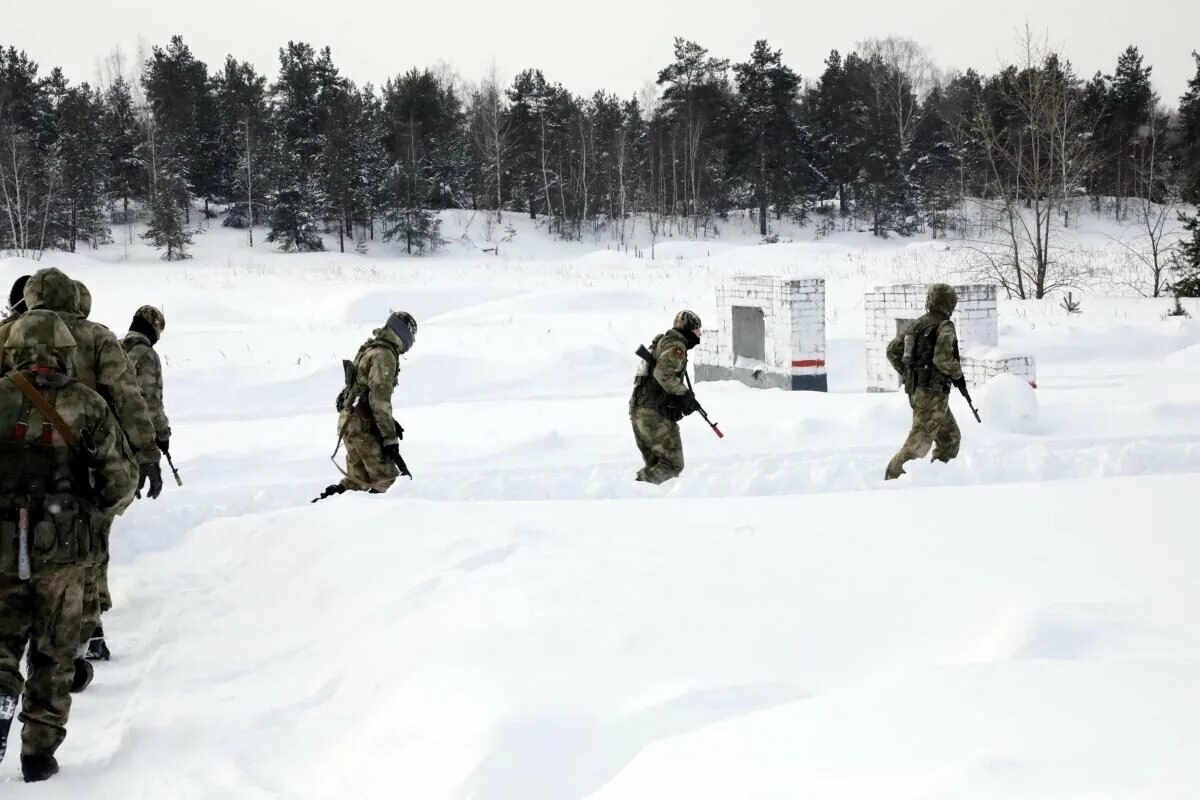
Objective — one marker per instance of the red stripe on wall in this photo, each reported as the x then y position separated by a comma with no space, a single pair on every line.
815,362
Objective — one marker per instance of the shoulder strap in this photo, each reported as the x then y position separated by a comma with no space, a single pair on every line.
43,405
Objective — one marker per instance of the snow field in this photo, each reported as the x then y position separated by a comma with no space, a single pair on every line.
522,621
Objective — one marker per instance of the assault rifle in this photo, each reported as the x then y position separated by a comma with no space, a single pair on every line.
962,388
649,358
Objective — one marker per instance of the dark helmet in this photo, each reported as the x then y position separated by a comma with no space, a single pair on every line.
404,326
149,315
688,321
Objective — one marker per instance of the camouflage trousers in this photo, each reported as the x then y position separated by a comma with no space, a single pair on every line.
659,442
44,613
96,599
366,467
932,422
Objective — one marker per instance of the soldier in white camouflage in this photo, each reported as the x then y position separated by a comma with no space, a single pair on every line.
56,477
925,354
365,421
661,398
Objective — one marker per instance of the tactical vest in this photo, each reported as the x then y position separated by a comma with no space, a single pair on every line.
648,392
920,373
57,516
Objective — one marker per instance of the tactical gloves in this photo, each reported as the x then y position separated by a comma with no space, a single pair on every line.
152,473
960,384
164,445
391,452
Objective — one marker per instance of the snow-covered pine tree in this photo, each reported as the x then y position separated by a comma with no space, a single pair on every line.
767,107
935,175
296,200
79,163
178,92
123,138
169,196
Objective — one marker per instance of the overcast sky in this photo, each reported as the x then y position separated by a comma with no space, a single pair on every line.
590,44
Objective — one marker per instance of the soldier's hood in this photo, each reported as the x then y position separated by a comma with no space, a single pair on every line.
941,299
39,338
51,289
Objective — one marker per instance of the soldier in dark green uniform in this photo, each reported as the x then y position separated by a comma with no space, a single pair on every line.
661,398
63,462
925,354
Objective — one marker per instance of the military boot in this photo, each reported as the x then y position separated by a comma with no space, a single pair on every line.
38,768
97,650
8,710
83,676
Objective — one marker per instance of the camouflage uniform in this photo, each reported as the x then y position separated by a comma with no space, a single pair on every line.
934,369
44,611
365,421
660,399
83,300
100,364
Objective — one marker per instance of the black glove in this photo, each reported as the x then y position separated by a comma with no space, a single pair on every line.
164,445
687,403
960,384
153,473
391,452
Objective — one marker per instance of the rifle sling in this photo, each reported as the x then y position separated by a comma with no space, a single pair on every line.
42,405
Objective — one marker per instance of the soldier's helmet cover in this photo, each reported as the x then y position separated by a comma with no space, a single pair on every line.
941,298
153,317
404,326
688,321
39,338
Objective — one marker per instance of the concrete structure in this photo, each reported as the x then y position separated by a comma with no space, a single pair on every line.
769,334
890,308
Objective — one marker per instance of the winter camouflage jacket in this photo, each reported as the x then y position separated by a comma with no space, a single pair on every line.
670,364
148,368
100,361
376,368
41,341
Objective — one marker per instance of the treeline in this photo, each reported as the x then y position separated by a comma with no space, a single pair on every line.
881,139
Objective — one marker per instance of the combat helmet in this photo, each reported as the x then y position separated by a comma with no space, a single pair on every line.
688,321
149,322
16,297
40,338
941,299
404,326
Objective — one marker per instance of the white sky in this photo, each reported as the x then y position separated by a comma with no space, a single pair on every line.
617,45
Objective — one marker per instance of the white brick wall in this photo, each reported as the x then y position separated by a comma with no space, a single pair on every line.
975,319
793,317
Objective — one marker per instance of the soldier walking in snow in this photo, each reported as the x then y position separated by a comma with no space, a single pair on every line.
662,397
63,463
365,422
926,355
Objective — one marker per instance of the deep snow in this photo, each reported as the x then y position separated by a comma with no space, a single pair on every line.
522,621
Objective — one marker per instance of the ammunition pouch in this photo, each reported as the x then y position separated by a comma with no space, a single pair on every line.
60,523
64,534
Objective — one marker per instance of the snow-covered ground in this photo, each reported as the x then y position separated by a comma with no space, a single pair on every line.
523,622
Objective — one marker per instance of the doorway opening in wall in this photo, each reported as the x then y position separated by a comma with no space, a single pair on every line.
749,334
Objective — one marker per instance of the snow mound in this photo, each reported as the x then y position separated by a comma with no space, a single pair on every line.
1010,404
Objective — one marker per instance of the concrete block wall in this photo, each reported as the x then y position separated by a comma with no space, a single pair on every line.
975,318
793,313
979,370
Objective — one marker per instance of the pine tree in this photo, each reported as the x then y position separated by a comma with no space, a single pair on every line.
1131,103
767,106
80,163
835,116
936,173
1188,149
1186,272
239,96
169,195
297,201
178,92
122,135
